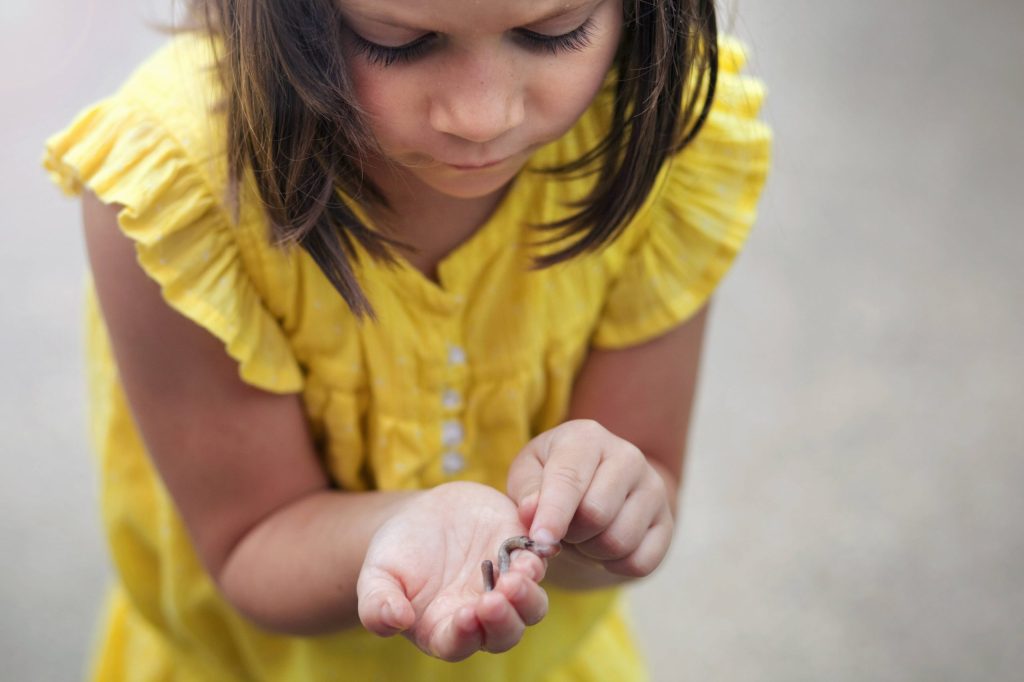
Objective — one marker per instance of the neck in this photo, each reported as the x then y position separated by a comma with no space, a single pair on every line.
431,223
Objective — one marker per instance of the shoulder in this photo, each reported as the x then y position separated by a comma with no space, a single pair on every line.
179,79
178,91
668,261
155,152
163,119
713,184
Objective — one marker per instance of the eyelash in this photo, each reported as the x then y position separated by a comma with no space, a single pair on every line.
574,41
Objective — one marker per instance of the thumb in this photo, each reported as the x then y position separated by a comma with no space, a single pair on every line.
383,607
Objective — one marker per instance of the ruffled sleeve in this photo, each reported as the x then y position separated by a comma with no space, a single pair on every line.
699,216
182,234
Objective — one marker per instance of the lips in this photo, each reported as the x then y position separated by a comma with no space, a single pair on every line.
475,166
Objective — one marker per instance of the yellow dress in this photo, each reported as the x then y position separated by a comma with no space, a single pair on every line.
450,383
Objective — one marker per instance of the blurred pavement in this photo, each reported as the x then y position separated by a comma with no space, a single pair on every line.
854,500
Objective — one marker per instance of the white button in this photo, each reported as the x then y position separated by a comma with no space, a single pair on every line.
451,398
451,433
452,463
456,356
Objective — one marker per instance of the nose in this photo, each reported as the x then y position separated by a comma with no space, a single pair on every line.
479,100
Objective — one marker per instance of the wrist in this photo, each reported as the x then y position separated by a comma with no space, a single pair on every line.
295,572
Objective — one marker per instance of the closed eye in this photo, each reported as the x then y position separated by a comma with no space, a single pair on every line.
381,55
573,41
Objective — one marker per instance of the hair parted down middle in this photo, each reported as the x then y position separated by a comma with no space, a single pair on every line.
294,123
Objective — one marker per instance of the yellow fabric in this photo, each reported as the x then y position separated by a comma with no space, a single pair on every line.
474,365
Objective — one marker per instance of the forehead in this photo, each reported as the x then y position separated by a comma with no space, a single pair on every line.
445,15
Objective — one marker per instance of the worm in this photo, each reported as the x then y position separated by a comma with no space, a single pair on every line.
505,557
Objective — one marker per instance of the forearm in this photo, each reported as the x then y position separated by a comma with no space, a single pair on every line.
295,572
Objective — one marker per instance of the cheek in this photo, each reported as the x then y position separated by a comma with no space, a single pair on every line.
388,102
563,94
569,93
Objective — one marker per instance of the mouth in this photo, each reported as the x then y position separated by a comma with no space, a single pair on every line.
476,166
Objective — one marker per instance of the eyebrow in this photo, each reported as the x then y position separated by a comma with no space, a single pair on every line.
373,15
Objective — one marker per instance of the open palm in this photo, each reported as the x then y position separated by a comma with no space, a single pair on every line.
422,577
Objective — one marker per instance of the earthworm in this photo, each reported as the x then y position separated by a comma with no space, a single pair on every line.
505,557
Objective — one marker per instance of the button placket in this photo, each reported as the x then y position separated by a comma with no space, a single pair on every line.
453,459
451,399
453,463
451,433
456,355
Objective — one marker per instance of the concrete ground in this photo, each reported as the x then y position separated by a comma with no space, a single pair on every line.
854,496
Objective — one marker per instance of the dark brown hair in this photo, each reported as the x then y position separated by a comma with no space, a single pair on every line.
293,121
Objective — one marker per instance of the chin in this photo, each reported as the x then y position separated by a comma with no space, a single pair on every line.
469,185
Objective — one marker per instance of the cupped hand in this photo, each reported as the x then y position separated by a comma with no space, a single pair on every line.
581,484
422,574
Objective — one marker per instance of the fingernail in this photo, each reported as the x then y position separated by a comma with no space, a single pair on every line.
544,537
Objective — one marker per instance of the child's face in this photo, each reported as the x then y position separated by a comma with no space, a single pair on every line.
476,82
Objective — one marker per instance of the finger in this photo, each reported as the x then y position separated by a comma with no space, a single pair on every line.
457,637
649,555
383,607
528,564
528,599
563,467
616,477
503,628
627,530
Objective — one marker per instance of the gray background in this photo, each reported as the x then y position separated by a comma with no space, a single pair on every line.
853,502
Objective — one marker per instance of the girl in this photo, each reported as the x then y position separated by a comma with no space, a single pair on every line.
380,284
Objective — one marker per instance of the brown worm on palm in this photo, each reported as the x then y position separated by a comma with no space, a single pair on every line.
505,557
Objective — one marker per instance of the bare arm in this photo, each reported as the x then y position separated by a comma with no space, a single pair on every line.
239,462
643,394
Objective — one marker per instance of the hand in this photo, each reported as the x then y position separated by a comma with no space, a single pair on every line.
422,576
581,484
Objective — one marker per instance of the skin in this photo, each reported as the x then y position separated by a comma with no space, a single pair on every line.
240,463
478,93
421,575
514,543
